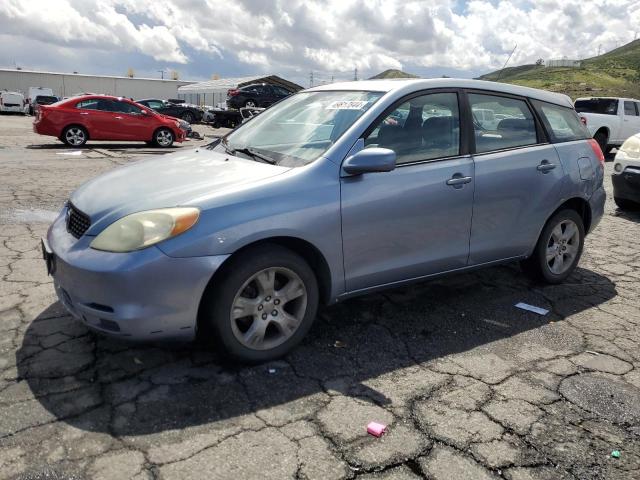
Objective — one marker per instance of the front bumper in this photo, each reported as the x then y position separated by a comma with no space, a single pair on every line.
626,185
141,295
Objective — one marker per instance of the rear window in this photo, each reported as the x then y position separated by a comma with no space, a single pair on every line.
604,106
46,98
563,123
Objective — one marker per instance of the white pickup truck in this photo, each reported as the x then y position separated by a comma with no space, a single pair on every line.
610,120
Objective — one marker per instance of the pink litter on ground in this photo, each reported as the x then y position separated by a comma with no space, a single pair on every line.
376,429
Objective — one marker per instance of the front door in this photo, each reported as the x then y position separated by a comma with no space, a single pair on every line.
631,120
415,220
518,179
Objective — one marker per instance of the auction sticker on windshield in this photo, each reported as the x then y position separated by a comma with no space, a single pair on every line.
347,105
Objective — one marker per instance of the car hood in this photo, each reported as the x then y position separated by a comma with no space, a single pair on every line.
193,177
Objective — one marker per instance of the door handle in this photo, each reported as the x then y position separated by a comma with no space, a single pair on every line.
119,118
84,113
545,166
458,180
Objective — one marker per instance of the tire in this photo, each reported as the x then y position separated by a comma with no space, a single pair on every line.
74,136
245,284
556,269
187,117
163,137
250,103
625,204
602,138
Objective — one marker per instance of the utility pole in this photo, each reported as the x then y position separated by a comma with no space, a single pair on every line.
355,74
599,49
161,74
311,79
505,63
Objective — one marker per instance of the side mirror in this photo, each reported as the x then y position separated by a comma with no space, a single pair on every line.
370,160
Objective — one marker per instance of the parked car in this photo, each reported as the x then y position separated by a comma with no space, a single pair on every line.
610,120
626,175
321,198
102,117
188,113
41,100
256,95
11,102
34,92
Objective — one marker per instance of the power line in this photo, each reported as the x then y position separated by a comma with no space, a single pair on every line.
505,63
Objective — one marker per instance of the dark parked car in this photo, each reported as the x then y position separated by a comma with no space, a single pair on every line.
41,100
187,113
257,95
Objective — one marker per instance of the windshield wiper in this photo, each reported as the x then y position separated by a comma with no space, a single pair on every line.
253,154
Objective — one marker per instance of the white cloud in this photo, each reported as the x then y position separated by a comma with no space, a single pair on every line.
330,35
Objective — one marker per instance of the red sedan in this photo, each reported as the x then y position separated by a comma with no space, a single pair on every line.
102,117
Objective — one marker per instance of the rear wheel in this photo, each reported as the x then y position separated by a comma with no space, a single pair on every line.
187,117
74,136
602,138
558,249
263,306
250,103
625,204
163,137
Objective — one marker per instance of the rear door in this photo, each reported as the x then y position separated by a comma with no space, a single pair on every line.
415,220
518,178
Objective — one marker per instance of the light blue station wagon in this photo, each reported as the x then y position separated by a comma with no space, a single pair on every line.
336,191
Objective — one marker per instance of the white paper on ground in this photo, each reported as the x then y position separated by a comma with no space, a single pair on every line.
531,308
77,152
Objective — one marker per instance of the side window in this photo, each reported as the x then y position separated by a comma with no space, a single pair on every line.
423,128
155,105
88,104
107,106
125,107
563,124
630,109
501,122
281,91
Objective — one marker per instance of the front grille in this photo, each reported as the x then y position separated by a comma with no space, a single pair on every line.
77,222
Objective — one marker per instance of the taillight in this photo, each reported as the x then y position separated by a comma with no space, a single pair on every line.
584,120
232,92
597,150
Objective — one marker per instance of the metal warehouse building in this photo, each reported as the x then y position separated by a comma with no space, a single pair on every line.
67,84
213,92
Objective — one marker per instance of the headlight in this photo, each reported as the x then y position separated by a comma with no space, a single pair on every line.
143,229
177,124
631,147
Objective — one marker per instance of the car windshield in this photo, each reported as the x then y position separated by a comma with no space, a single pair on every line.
605,106
301,128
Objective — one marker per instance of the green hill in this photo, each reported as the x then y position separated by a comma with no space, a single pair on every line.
615,73
392,73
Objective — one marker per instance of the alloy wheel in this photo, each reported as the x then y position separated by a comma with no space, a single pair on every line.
164,138
563,246
75,136
269,308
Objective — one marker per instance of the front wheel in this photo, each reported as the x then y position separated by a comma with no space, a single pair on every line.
263,306
250,104
163,137
558,249
187,117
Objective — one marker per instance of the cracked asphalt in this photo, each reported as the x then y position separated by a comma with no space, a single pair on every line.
469,386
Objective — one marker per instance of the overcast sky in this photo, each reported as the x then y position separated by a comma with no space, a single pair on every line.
201,38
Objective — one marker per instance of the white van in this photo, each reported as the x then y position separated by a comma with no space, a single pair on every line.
33,92
11,102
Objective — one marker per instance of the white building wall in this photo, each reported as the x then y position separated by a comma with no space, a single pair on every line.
64,84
